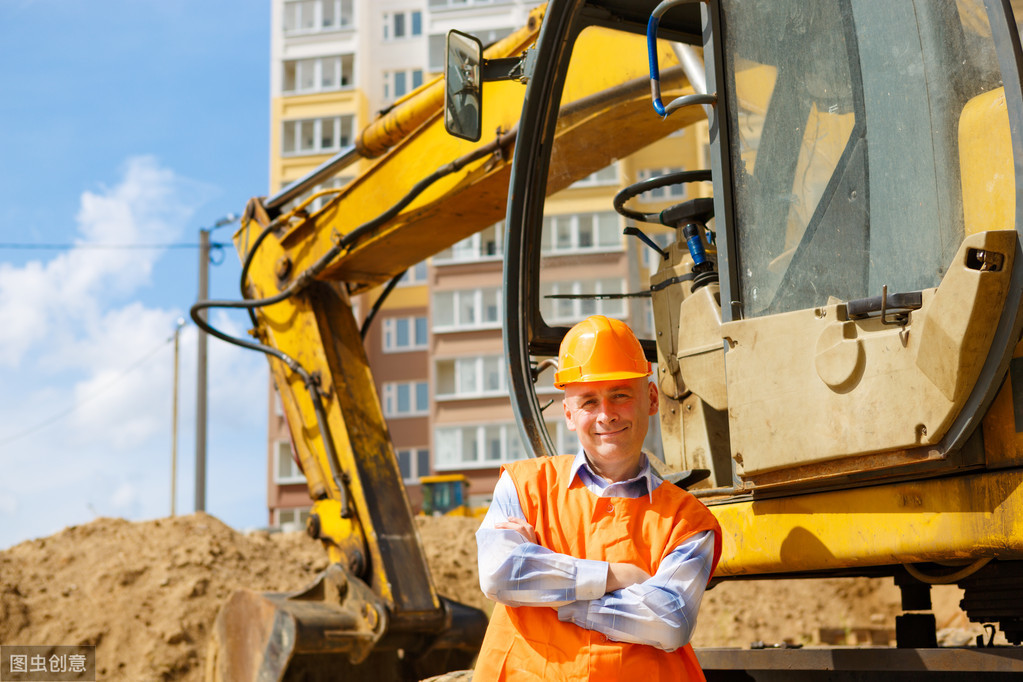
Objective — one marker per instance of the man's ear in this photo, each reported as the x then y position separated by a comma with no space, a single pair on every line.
568,415
653,398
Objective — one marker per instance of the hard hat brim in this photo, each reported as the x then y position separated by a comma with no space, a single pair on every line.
561,380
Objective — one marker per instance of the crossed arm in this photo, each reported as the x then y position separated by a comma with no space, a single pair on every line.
619,600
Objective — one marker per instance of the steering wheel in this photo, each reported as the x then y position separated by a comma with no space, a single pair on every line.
676,178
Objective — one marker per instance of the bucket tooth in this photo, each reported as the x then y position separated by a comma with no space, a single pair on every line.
258,637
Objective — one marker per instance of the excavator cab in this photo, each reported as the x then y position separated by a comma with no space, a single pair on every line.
445,494
836,195
829,286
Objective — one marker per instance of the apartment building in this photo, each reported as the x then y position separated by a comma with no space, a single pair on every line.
435,346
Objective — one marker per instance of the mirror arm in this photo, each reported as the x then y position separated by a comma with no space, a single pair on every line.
509,68
504,69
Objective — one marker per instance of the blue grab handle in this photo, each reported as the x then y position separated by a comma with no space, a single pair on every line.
655,70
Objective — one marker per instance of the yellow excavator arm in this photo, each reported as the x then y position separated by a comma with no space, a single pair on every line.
420,191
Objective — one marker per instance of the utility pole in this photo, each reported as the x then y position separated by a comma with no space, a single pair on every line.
174,425
200,383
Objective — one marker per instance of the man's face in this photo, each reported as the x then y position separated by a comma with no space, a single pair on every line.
610,418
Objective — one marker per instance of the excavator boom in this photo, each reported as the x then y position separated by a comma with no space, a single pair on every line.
376,607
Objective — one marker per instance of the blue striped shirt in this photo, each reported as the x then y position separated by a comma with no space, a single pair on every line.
660,612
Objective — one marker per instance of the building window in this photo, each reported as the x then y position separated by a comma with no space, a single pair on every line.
286,469
406,399
676,191
651,259
413,463
316,204
308,16
566,442
414,276
472,377
291,519
404,334
605,176
316,135
398,25
401,82
278,405
581,232
319,74
485,245
457,4
467,309
485,445
437,42
581,299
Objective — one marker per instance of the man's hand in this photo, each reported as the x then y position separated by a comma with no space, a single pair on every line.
519,526
621,575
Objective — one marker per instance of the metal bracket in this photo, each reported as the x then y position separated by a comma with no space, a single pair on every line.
906,301
518,69
896,319
537,369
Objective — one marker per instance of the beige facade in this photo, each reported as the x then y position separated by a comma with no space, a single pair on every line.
435,346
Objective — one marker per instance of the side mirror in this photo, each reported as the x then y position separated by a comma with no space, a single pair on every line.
463,92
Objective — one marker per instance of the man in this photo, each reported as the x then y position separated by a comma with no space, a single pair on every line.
597,565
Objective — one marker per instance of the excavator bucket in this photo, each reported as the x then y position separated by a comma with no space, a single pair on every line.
335,628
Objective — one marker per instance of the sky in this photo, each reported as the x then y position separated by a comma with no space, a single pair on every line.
125,122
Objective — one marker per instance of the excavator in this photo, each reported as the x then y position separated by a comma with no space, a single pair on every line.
834,306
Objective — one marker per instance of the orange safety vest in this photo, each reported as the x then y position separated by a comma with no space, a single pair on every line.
529,642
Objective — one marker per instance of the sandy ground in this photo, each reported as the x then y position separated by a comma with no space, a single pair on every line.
146,593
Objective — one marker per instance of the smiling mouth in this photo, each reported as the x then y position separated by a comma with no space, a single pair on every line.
611,433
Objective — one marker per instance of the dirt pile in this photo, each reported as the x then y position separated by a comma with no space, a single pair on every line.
831,611
146,593
450,546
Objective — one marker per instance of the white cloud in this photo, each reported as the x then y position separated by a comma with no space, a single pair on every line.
88,359
125,496
42,302
8,503
127,398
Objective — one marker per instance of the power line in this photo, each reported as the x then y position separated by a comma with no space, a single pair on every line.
60,415
64,247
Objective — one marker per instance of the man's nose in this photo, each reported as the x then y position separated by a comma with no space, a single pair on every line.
608,413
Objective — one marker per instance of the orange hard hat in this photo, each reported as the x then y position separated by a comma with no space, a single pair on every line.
600,349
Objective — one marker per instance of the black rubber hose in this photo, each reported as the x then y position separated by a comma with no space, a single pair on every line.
308,275
307,380
379,302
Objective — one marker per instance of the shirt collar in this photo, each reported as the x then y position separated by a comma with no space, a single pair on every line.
646,474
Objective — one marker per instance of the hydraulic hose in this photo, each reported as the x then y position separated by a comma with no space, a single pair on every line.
292,364
950,578
307,276
379,302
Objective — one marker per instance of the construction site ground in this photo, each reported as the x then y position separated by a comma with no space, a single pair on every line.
146,593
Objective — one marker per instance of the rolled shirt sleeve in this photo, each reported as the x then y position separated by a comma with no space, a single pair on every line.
516,572
661,611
